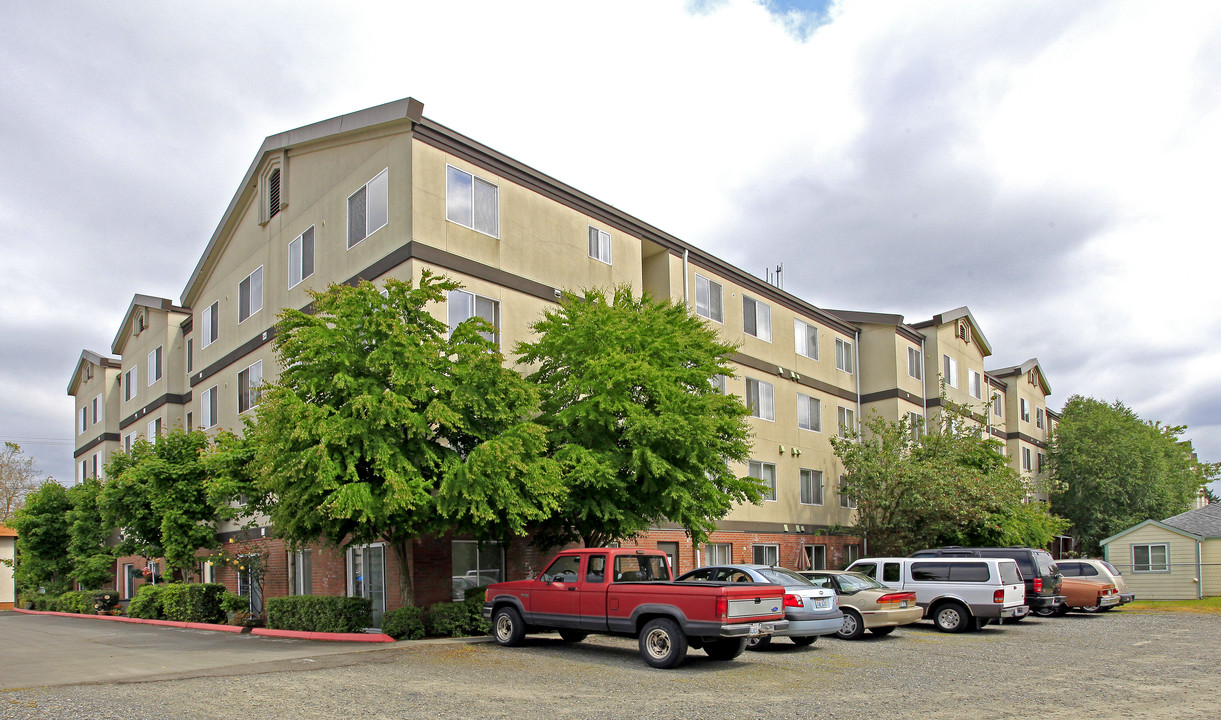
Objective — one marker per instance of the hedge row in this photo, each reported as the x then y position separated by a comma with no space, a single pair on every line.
85,602
184,602
320,613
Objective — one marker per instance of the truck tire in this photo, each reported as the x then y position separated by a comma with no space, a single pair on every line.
507,626
726,649
951,617
573,636
662,643
758,643
804,640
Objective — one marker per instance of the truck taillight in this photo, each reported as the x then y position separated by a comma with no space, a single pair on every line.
722,608
1038,585
998,596
791,600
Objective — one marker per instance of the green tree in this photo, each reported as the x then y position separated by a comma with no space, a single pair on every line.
42,540
89,548
18,478
1113,470
640,433
383,426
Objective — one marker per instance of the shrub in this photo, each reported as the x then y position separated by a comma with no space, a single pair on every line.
75,601
194,602
476,625
147,603
447,619
404,622
105,600
231,602
319,613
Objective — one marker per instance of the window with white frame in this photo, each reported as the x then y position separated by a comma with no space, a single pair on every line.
975,384
817,556
766,555
718,382
1042,462
1024,406
97,464
301,572
845,500
997,408
369,208
805,339
915,366
211,323
474,564
1038,417
207,407
154,430
843,355
852,553
846,418
809,413
1026,458
84,471
708,295
599,245
917,425
949,370
301,257
82,420
1151,557
129,384
718,554
97,409
129,440
472,201
250,294
464,306
248,384
766,474
760,399
811,487
154,365
756,318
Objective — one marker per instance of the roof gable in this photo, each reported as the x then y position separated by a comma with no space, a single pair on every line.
1031,365
137,311
952,316
88,358
1205,521
1157,523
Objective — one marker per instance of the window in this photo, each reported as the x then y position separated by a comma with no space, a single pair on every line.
130,440
997,409
811,487
1038,417
718,382
805,339
845,501
82,420
766,473
472,201
367,576
949,370
756,318
190,355
368,209
190,417
211,324
671,551
207,407
250,294
915,368
129,384
847,421
273,194
766,555
97,464
809,413
1151,558
300,573
301,257
975,384
84,471
708,299
1026,458
248,382
1042,465
154,365
599,245
718,554
1025,409
760,399
917,425
817,556
97,409
843,355
464,306
473,564
154,430
964,331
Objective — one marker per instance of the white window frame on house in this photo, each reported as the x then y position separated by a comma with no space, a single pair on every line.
154,430
718,554
97,409
852,553
154,366
809,413
811,486
130,378
915,364
720,382
917,425
843,355
1026,459
949,370
756,318
471,201
301,257
129,440
805,339
975,384
463,305
766,473
363,590
846,420
1041,464
709,299
761,399
1150,564
1024,409
250,295
998,408
489,565
209,407
249,379
369,208
82,421
300,572
210,324
845,501
97,465
817,556
84,468
599,244
765,554
1038,417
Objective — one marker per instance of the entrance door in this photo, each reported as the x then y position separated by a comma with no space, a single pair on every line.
367,577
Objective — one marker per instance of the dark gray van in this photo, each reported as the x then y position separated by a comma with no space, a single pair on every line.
1038,570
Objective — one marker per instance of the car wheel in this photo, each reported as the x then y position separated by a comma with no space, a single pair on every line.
1092,608
662,643
726,649
1046,611
573,636
804,640
853,626
951,617
1020,618
507,626
882,631
758,643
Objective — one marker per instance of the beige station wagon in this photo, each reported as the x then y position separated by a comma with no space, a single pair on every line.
1091,569
866,603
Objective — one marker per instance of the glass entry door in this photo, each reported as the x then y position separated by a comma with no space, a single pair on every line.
367,577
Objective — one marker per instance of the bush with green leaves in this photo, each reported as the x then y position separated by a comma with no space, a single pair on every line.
404,623
76,601
231,602
194,602
458,619
319,613
147,603
105,600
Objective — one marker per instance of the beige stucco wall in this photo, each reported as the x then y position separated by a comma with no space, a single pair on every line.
104,382
942,340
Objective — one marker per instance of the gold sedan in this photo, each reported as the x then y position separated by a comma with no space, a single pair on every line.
866,603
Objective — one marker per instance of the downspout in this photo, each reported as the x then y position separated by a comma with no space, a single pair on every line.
856,359
686,299
923,386
1199,571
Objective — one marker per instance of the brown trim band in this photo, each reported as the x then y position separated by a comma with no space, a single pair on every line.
94,443
742,526
144,411
234,355
774,369
892,394
1019,435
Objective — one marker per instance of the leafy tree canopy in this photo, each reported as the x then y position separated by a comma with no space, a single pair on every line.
1113,470
89,551
639,431
18,478
42,540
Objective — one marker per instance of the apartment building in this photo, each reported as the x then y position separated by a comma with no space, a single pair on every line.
95,388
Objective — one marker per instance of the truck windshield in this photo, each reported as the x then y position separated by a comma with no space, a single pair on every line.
641,568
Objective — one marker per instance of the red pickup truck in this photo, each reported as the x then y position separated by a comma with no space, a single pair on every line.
630,592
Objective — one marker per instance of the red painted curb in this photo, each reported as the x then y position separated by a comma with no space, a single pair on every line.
333,637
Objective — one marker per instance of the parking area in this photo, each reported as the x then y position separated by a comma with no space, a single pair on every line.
1121,664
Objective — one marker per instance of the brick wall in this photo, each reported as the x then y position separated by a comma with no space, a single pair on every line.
742,546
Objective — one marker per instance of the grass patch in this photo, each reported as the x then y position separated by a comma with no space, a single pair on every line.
1207,606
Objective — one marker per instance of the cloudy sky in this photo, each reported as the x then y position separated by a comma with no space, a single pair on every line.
1051,165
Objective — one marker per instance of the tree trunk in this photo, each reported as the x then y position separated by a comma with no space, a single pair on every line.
404,551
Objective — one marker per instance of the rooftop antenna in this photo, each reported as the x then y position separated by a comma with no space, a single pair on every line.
776,277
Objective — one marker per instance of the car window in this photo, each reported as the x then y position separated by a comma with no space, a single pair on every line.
697,574
970,572
1088,570
1070,569
641,568
1111,568
1047,564
891,572
930,571
852,583
781,576
564,569
732,575
822,581
596,571
1009,573
866,568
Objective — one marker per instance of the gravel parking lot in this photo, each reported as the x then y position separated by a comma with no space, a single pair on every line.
1122,664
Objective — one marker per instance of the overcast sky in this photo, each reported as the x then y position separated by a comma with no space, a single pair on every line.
1052,165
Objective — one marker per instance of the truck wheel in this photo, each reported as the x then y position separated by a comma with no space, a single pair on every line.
726,649
951,617
804,640
1045,611
758,643
662,643
573,636
853,626
507,626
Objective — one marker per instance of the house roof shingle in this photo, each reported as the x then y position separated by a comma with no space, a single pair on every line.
1205,521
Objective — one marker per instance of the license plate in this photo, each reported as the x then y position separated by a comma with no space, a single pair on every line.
822,603
755,629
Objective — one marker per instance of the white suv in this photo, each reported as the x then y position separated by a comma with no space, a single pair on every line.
957,594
